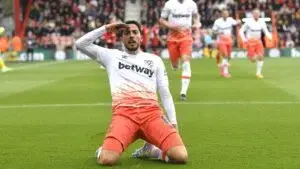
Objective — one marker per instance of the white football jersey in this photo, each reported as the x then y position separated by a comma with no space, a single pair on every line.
180,14
134,78
224,27
253,29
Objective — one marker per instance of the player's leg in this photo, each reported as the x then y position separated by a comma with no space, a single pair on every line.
185,50
218,59
251,52
224,70
2,64
259,60
32,54
122,132
174,54
27,55
148,150
109,157
228,53
3,67
166,138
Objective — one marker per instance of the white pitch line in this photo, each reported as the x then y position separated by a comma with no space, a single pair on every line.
177,103
37,65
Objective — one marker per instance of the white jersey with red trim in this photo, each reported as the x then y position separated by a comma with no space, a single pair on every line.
253,29
180,14
134,78
224,27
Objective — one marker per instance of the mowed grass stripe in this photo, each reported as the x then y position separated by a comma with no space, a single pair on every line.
250,103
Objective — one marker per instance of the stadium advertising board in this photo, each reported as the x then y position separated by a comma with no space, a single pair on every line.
41,54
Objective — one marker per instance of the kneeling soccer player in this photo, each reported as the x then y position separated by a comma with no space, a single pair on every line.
135,77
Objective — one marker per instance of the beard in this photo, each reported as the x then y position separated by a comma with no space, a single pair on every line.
132,48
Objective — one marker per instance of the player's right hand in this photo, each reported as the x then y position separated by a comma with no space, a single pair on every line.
114,27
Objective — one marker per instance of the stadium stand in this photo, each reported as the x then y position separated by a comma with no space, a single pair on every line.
287,14
58,22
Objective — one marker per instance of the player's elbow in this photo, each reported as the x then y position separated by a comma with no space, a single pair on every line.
78,44
165,93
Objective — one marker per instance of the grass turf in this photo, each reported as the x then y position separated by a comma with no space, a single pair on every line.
237,123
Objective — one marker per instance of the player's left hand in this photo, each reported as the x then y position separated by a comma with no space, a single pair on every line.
196,25
114,27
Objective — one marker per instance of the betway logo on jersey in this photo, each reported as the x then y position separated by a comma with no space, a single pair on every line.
181,15
137,68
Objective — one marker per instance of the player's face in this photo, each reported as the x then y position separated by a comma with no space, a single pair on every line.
225,14
256,14
132,38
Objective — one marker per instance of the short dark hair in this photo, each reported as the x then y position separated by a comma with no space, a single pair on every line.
135,23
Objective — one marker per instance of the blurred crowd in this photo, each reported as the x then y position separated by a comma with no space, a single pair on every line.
57,23
287,13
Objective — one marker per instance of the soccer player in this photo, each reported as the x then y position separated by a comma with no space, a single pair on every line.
178,16
223,28
253,28
134,78
3,48
16,44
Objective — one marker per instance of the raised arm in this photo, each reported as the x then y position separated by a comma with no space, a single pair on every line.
98,53
165,95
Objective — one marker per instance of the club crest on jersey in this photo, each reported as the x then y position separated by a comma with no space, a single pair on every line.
137,69
149,63
124,56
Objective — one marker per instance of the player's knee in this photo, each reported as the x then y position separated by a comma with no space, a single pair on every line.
260,57
181,157
178,155
185,58
108,158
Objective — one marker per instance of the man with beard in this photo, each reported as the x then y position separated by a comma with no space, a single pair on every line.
134,77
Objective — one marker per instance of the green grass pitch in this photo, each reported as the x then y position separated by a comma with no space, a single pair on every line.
53,115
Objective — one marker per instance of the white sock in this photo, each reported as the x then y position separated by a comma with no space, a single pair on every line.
185,77
225,61
259,66
225,64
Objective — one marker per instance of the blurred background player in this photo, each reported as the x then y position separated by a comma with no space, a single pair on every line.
3,48
178,16
16,44
223,28
30,45
251,33
209,50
